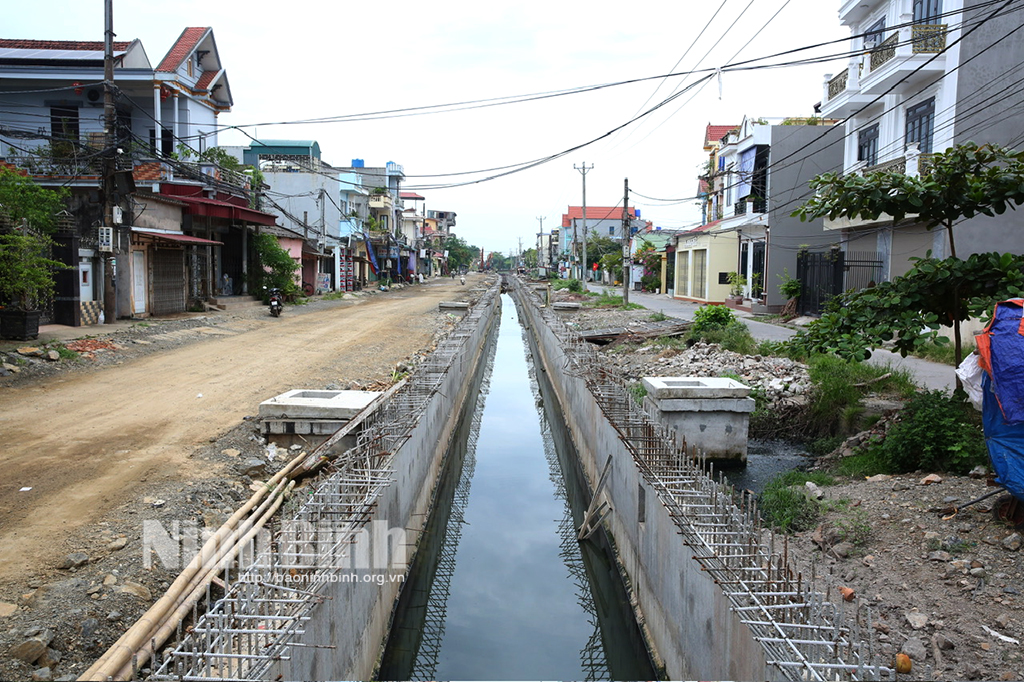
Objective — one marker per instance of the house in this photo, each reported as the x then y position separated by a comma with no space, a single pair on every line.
600,221
912,88
181,221
748,235
384,252
310,198
437,228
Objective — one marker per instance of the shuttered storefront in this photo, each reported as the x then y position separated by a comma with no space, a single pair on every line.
168,281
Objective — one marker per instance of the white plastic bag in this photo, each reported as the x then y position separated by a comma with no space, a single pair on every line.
970,373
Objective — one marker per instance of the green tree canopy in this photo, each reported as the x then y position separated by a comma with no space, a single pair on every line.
962,182
600,246
460,254
22,198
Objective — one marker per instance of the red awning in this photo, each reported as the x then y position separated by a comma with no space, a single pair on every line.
173,236
214,208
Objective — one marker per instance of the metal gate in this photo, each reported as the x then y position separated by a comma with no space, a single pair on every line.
825,274
168,293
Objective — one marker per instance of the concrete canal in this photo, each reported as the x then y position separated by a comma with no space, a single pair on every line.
500,588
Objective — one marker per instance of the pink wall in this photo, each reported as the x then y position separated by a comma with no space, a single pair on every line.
294,249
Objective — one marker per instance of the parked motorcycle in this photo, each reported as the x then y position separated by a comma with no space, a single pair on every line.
276,301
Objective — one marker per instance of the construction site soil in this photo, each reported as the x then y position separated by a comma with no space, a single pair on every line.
159,425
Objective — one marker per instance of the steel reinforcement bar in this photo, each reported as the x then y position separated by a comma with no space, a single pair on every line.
259,619
803,634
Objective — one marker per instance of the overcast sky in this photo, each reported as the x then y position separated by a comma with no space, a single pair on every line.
303,59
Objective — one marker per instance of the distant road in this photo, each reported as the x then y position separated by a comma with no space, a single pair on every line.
930,375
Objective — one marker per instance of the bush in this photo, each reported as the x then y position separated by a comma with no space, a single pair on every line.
275,267
788,508
934,432
710,317
573,285
734,337
835,395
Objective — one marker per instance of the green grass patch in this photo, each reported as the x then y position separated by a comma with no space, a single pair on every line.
784,504
573,285
607,300
942,352
638,391
658,317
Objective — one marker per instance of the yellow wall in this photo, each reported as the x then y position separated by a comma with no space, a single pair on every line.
719,254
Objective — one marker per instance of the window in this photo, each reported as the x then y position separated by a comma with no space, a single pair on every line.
875,34
927,11
611,231
64,123
166,147
867,145
920,121
700,274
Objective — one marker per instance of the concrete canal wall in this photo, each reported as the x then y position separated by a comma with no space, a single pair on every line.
356,616
687,618
315,600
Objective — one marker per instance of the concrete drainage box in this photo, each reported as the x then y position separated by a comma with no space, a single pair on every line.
711,413
313,415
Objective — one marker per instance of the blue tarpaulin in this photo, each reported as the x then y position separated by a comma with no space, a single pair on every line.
1005,444
1001,347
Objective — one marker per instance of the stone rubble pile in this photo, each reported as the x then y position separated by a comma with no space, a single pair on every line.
778,378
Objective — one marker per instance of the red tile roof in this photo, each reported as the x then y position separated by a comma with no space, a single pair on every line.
204,81
14,169
86,45
715,133
595,213
410,195
182,48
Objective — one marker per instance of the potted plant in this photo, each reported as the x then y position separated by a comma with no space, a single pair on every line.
26,282
737,282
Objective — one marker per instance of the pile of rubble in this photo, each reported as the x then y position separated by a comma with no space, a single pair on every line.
778,379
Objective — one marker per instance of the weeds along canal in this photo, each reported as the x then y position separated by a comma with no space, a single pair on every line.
500,588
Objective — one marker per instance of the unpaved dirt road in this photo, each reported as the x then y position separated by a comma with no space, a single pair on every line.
84,442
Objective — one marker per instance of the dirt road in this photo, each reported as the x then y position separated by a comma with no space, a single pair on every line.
86,442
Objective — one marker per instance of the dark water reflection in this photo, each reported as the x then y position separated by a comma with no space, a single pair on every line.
501,589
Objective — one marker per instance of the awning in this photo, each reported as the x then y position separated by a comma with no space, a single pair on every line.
214,208
173,236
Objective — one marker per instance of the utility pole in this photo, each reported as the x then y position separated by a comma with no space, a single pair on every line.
540,237
626,268
109,156
583,169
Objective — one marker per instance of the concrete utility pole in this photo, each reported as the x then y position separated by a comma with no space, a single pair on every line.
626,268
109,156
583,169
540,236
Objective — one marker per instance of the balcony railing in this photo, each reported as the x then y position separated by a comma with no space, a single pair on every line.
381,201
929,38
837,85
884,52
893,166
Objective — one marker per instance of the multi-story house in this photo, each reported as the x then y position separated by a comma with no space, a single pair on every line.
601,221
926,74
748,235
315,200
437,229
181,222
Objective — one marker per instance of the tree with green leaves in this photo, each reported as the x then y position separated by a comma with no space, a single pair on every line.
460,254
22,199
275,266
964,181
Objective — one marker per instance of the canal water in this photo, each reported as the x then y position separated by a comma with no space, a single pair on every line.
500,588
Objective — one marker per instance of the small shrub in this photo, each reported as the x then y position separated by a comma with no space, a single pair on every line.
638,391
658,317
853,527
734,337
63,351
786,507
573,285
710,317
935,431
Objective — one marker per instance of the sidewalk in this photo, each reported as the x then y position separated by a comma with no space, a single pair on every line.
930,375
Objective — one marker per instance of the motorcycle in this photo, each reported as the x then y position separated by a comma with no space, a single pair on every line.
276,301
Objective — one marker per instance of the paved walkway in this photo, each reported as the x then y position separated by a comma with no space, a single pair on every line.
930,375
